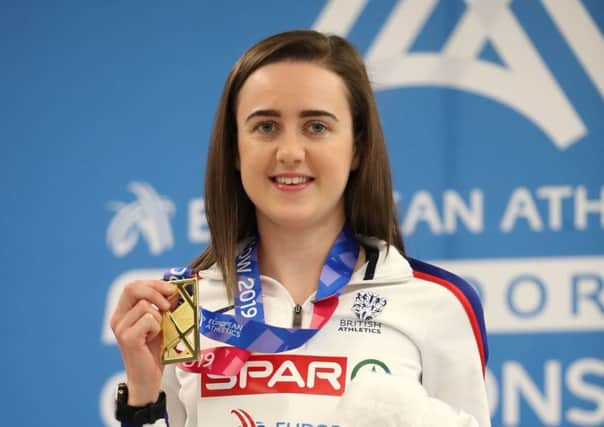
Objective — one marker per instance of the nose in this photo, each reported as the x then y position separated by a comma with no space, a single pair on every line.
291,150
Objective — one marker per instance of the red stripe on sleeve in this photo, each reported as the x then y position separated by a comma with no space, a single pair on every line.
467,307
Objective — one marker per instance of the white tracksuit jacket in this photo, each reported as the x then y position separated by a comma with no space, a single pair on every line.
406,356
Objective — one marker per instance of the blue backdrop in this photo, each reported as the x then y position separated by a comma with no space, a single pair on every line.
494,117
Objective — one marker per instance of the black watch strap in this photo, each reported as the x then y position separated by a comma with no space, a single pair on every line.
138,415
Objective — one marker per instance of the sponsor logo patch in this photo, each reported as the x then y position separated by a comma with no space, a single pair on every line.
373,365
246,419
276,373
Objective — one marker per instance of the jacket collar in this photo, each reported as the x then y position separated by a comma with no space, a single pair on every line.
391,266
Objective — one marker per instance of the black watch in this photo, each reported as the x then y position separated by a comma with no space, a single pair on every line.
146,414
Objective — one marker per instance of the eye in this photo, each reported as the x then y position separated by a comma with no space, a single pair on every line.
316,128
266,128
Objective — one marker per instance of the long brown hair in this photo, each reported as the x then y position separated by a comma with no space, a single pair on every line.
369,206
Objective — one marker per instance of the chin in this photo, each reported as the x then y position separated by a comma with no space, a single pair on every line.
296,220
293,222
292,218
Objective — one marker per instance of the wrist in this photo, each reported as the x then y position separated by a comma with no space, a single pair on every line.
138,397
135,414
141,392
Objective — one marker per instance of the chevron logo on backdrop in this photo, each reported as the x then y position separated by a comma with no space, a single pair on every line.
524,83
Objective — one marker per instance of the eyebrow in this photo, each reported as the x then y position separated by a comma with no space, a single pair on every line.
305,113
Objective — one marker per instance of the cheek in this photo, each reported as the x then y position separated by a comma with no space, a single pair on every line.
250,171
249,187
336,170
340,159
246,174
244,160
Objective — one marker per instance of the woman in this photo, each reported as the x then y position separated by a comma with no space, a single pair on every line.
299,204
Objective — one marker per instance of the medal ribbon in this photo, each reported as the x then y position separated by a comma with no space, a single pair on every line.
247,332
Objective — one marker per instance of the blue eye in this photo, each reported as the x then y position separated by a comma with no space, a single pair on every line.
266,127
316,128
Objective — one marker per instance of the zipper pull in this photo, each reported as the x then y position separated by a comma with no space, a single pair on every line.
297,321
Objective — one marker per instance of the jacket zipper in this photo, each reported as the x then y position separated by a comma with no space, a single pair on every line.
297,320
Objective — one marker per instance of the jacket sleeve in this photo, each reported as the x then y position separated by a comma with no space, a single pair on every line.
171,386
452,365
451,391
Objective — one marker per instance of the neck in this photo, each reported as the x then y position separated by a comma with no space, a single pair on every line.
295,257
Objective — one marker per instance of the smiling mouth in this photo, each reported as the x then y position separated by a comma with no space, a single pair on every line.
291,180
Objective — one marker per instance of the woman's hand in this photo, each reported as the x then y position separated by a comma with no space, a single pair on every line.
136,324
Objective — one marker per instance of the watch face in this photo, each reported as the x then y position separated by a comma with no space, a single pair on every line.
121,395
123,412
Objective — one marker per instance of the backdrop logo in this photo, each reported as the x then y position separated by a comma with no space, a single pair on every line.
524,83
149,216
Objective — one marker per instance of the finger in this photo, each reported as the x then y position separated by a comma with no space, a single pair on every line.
134,314
147,326
163,287
144,329
155,291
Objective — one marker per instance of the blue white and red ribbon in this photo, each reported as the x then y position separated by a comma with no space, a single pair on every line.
247,330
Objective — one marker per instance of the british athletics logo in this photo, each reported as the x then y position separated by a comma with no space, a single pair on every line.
277,373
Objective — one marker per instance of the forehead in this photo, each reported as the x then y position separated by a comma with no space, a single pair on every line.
293,86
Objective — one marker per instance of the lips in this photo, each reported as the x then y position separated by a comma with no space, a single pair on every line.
291,181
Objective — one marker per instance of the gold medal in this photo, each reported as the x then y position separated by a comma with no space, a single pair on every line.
180,325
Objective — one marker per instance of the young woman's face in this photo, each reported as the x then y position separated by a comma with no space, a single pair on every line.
295,143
